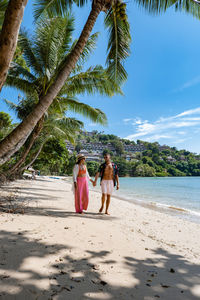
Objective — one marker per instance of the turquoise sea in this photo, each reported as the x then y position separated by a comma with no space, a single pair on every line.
180,195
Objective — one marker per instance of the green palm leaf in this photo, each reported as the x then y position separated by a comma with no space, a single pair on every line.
190,6
54,7
26,44
94,80
156,7
3,6
116,22
52,39
21,84
61,126
94,114
87,51
23,108
17,70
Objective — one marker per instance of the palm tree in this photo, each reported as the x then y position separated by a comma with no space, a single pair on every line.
53,37
11,14
52,123
55,126
118,50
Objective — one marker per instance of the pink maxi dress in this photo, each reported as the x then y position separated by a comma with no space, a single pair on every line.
82,191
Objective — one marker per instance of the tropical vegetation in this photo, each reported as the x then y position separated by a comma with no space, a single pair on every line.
154,160
35,71
118,49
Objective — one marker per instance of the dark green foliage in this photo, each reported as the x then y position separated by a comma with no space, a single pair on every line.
92,167
69,167
123,166
78,147
107,151
154,161
119,148
5,120
5,124
53,159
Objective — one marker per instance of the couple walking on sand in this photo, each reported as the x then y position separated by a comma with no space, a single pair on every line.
108,173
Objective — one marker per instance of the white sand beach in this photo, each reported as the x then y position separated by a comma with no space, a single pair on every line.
49,252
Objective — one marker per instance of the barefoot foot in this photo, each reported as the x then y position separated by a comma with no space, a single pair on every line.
107,213
101,209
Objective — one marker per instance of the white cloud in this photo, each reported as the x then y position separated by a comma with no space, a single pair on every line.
127,120
188,84
166,128
157,137
181,132
179,141
189,112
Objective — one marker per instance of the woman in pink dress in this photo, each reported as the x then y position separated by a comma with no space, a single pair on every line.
81,190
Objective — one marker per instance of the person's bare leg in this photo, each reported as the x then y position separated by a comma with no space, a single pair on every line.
107,204
103,198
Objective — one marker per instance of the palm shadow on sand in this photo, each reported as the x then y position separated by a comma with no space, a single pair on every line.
72,278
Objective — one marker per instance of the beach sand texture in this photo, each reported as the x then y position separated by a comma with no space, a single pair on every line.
49,252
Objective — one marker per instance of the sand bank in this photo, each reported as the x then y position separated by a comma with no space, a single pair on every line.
49,252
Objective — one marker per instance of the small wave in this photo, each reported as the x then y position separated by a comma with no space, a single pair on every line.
178,208
164,207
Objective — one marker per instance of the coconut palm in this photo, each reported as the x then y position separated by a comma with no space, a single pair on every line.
52,123
118,50
43,54
56,127
11,14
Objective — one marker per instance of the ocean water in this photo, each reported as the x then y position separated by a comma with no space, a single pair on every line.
179,195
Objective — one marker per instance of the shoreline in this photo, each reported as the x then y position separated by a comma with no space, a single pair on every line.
176,211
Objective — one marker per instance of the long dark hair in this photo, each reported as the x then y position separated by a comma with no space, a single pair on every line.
77,163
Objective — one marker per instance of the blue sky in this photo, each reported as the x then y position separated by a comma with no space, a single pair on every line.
161,96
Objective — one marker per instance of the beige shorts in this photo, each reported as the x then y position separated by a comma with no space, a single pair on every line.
107,187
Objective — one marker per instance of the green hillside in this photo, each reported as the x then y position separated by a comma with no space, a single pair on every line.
145,159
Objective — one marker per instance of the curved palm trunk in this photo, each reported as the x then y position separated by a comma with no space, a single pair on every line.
9,35
34,158
31,120
34,136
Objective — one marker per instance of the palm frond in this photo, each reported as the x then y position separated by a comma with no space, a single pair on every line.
25,42
3,6
94,114
61,126
116,22
52,40
157,6
87,51
54,7
189,6
21,84
94,80
23,108
17,71
13,106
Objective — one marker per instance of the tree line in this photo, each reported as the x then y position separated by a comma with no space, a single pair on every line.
154,161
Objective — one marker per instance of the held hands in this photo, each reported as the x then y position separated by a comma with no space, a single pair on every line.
94,183
75,185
